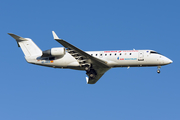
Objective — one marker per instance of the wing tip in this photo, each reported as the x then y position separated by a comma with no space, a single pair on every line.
55,35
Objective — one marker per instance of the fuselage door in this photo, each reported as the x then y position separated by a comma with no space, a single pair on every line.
141,56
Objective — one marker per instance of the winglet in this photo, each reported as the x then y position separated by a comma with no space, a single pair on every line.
54,35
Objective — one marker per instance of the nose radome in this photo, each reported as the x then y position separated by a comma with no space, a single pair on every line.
168,61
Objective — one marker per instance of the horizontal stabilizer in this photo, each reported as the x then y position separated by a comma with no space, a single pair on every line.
28,47
17,37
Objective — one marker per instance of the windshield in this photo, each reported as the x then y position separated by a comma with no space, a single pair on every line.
154,52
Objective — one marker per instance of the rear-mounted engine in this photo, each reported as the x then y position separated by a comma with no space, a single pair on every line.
56,52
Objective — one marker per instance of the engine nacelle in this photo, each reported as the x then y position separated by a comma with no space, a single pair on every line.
56,52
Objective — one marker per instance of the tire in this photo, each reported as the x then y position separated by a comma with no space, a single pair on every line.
158,71
92,75
87,68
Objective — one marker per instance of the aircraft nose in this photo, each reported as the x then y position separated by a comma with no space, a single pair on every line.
168,61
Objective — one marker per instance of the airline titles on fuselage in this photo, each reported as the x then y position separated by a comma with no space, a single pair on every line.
120,51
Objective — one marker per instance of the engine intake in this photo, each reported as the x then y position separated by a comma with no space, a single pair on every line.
56,52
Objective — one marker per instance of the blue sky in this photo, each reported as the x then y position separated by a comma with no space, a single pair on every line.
29,92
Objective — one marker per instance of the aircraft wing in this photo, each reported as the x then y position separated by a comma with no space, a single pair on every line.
84,58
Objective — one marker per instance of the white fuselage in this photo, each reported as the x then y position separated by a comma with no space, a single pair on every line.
119,58
95,63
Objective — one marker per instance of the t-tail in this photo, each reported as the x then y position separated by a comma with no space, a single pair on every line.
29,48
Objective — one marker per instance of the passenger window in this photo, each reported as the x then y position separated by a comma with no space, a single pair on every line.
120,54
100,54
96,54
110,54
115,54
129,53
105,54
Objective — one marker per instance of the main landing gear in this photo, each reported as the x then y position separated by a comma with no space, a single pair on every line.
158,71
90,72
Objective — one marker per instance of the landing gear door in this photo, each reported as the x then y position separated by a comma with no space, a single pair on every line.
141,56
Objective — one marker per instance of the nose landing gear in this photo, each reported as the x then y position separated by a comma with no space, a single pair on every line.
158,71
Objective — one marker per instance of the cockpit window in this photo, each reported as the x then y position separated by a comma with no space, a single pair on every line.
154,52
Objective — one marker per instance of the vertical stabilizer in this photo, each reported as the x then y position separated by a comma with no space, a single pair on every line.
28,47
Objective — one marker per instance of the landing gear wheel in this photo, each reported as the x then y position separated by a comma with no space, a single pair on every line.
92,75
87,68
158,71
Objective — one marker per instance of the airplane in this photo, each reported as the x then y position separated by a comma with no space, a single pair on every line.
95,63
